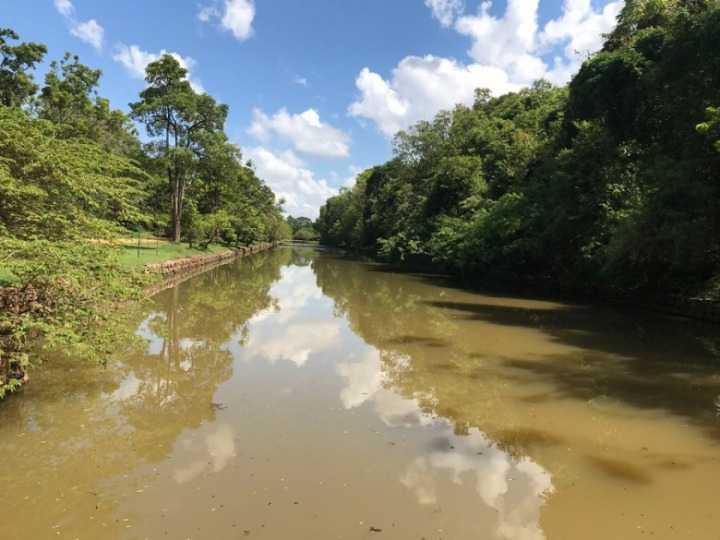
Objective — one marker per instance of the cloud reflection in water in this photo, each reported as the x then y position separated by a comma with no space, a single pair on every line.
515,487
220,446
300,336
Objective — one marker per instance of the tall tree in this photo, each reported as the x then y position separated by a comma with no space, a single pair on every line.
16,84
183,124
66,98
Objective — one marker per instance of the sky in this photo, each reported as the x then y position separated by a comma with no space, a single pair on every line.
318,88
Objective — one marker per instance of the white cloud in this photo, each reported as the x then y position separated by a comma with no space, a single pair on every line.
64,7
136,60
208,13
580,28
302,81
236,16
516,43
89,31
308,134
507,53
379,102
419,88
289,178
349,181
445,11
507,42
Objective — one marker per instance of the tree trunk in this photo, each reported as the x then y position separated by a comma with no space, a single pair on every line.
176,186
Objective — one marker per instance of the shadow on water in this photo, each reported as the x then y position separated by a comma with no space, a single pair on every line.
427,341
640,358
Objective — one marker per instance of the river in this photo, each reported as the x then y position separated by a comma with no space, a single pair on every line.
298,394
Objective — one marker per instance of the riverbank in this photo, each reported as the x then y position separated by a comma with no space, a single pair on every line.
25,302
176,271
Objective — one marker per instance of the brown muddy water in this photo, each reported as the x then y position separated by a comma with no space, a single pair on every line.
299,395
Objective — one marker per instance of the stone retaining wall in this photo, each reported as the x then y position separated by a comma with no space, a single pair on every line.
176,266
178,270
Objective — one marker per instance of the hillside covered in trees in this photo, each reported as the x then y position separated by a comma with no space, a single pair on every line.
610,182
75,175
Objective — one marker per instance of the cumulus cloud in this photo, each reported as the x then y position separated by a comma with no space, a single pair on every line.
506,53
516,43
64,7
507,42
235,15
89,31
419,88
445,11
238,18
580,29
307,133
290,179
136,60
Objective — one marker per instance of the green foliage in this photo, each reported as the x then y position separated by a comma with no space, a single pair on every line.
306,235
74,178
711,128
610,182
69,100
55,194
59,189
16,83
299,223
184,124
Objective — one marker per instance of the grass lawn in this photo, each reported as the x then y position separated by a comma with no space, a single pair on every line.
151,252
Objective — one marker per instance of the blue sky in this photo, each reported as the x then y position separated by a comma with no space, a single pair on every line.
317,88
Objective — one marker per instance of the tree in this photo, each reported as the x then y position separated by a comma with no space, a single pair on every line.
711,128
184,124
55,194
66,97
16,84
70,100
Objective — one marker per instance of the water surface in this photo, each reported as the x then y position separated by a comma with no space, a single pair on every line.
299,394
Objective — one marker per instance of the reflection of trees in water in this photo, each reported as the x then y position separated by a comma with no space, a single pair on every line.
81,423
640,359
303,256
189,327
387,311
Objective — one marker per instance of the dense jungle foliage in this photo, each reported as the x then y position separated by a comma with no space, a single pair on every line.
610,182
74,176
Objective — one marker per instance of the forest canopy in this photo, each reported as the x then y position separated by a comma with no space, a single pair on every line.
611,182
